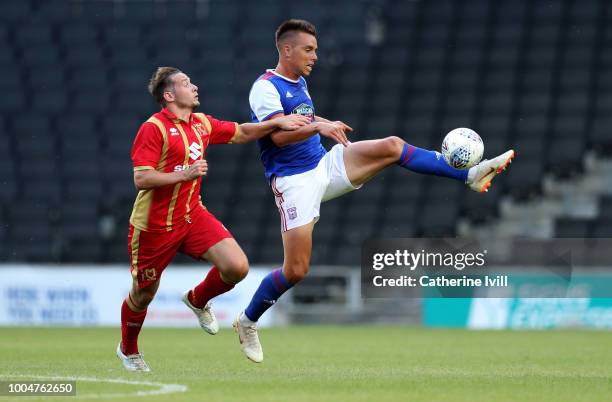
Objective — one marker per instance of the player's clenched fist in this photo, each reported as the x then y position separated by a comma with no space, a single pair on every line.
198,169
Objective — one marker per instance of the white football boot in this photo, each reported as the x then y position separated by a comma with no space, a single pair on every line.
247,335
132,362
481,175
205,315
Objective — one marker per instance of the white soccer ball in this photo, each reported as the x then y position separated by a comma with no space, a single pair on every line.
462,148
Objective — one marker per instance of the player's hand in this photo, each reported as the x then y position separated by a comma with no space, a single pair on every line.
292,122
333,131
344,126
198,169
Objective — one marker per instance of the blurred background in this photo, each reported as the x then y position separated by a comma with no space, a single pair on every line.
533,75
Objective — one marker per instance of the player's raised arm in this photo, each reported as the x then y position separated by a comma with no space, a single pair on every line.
253,131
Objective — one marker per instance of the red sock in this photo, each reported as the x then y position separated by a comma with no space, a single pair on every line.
131,322
210,287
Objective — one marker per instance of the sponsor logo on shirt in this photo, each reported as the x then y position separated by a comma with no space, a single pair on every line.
173,131
194,151
305,110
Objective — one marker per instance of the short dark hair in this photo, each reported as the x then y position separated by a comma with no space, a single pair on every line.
293,25
160,82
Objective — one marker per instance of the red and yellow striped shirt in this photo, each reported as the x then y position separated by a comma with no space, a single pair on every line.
168,144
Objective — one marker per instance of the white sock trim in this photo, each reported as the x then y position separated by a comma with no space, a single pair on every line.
471,175
245,320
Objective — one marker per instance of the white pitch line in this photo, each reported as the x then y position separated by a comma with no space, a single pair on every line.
162,388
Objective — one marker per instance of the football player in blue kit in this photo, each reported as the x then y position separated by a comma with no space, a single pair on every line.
302,174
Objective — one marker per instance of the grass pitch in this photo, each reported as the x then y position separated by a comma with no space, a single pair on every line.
322,363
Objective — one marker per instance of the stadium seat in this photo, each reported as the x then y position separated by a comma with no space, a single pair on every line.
138,12
41,189
16,11
78,34
571,227
83,55
45,77
97,11
566,156
35,144
180,57
602,228
91,101
55,11
83,249
128,55
605,208
11,81
122,32
49,101
34,33
83,188
438,220
41,55
7,180
526,181
94,78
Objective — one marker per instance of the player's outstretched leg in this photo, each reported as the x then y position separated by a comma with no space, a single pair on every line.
133,313
297,244
364,159
231,266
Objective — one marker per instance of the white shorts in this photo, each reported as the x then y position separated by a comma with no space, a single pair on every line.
298,197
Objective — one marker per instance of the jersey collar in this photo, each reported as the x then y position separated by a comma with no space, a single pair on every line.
271,70
172,117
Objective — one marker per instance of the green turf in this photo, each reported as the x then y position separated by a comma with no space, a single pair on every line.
322,363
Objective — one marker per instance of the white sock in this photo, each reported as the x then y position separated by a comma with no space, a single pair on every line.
471,174
245,320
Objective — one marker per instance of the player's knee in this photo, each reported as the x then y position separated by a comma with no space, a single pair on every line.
236,269
142,298
393,146
296,272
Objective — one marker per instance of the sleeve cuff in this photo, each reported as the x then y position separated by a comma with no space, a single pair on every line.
272,114
237,133
138,168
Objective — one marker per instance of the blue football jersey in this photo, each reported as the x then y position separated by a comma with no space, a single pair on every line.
272,94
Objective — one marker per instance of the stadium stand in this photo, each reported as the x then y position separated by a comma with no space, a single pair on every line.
532,75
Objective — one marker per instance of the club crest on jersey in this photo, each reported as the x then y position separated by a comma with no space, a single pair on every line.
198,129
292,212
305,110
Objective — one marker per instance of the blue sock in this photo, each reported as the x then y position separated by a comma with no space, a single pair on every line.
429,162
268,292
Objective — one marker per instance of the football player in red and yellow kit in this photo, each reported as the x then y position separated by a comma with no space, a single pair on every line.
168,215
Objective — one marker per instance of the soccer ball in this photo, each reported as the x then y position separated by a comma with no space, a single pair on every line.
462,148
